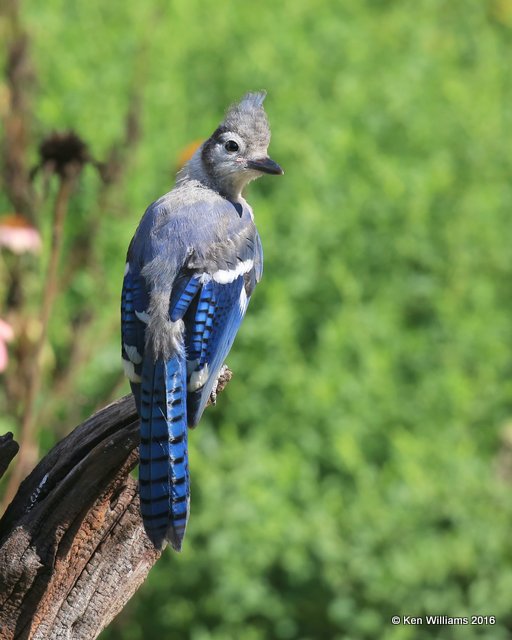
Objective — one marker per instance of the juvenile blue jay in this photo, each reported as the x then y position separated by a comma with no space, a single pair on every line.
191,268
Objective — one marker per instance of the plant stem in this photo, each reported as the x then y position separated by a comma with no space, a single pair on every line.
28,445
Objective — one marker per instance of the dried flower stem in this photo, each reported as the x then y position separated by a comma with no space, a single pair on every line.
28,445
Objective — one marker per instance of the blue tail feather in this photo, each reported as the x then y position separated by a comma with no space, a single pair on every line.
163,475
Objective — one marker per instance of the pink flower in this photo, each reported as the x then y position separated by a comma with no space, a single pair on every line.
6,335
18,235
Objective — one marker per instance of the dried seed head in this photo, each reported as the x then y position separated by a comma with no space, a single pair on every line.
63,152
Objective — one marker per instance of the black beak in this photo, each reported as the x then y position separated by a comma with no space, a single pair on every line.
265,165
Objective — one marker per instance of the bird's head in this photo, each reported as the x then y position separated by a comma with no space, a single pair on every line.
236,152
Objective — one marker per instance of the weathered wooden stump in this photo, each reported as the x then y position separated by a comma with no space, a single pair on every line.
73,549
72,546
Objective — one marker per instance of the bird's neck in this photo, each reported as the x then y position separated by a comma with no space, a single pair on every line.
229,187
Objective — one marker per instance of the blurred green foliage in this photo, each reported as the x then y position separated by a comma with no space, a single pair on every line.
359,464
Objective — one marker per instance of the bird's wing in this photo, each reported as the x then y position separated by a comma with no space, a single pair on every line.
213,317
134,303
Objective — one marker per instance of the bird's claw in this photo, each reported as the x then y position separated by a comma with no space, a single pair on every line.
222,379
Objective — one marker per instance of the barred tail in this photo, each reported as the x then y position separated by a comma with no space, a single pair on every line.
163,475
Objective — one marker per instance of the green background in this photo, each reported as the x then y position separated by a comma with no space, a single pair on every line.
359,464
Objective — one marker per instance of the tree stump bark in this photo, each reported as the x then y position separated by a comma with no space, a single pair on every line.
73,549
72,545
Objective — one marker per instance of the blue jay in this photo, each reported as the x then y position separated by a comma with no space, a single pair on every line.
191,268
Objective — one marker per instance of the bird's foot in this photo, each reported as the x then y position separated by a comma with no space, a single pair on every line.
225,375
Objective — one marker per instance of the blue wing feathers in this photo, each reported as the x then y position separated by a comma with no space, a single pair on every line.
134,300
216,339
182,297
130,332
196,328
208,329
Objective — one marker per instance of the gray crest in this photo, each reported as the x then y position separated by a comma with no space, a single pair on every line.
248,118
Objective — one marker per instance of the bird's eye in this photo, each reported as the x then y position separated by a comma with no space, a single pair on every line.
231,146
